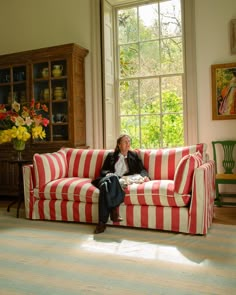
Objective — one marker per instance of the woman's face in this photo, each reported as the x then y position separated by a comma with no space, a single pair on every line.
124,145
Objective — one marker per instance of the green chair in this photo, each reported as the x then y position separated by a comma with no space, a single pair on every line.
224,153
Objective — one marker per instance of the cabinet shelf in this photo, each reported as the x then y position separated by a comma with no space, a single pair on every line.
59,100
58,78
50,78
5,84
18,82
60,123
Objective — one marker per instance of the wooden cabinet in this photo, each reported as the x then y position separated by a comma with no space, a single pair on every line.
54,76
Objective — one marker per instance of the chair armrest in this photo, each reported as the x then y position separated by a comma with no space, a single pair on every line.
203,196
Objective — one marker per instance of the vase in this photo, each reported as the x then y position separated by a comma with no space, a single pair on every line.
19,146
57,70
45,73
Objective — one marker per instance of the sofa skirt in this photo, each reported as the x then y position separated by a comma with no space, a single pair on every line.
152,217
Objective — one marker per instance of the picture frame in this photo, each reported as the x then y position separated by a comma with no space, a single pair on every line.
233,36
223,91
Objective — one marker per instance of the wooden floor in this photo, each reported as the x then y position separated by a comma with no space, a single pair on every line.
226,214
223,215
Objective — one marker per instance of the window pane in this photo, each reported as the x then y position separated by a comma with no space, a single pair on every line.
173,132
172,97
127,24
129,103
130,125
173,83
170,20
150,131
148,22
149,96
171,56
149,58
129,65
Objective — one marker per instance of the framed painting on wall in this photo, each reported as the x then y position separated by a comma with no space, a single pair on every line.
233,36
223,91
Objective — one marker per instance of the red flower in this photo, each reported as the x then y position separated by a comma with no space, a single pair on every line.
44,107
3,116
45,122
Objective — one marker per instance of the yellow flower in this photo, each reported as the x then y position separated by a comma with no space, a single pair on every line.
16,106
25,114
38,132
20,133
19,121
26,136
5,136
22,122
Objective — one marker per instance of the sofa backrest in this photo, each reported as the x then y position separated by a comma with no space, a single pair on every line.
85,163
162,163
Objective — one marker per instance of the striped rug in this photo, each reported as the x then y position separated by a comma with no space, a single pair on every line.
42,257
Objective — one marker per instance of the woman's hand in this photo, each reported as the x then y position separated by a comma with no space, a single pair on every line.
109,174
146,179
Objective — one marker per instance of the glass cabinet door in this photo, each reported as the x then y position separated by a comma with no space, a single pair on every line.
13,85
50,87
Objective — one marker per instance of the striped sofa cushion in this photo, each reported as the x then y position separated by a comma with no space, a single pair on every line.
162,163
85,163
69,189
154,193
49,166
184,173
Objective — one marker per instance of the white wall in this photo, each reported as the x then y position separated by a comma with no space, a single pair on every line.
212,47
30,24
33,24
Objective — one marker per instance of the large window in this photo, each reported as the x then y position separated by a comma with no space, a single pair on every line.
150,73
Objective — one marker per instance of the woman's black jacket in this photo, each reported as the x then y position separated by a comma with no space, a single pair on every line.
135,164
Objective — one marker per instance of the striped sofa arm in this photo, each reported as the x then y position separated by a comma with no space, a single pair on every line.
202,202
29,184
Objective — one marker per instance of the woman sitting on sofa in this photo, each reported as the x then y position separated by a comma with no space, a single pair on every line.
121,162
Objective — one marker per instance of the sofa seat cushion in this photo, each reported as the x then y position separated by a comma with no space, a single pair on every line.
70,189
155,193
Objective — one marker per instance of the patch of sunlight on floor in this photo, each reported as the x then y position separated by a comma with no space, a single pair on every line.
137,250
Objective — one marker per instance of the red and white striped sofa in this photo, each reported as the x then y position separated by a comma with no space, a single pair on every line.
179,197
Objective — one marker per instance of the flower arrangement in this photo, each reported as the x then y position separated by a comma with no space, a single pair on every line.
21,123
